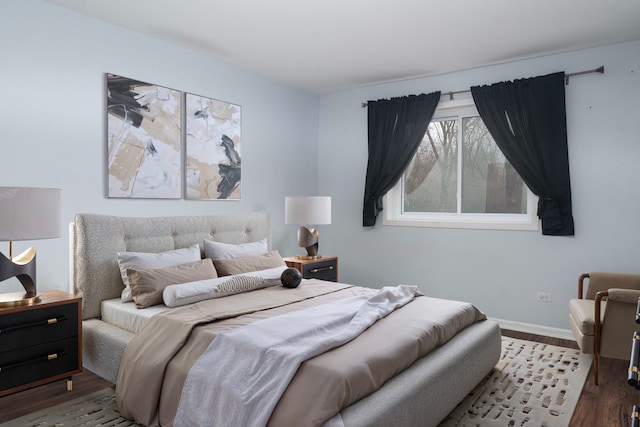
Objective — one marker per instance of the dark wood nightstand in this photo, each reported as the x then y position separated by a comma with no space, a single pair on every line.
40,343
323,268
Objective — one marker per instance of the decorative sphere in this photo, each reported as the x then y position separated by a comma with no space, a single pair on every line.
290,278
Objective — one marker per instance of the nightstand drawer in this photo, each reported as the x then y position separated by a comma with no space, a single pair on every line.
26,328
323,270
38,362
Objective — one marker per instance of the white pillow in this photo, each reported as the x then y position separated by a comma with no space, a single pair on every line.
200,290
217,250
149,260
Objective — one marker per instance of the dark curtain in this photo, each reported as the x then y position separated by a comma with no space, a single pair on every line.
527,119
396,128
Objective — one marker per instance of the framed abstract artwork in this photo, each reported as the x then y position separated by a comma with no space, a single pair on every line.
144,139
213,149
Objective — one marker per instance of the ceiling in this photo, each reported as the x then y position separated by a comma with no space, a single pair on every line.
324,46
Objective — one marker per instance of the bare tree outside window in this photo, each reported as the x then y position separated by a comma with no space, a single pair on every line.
480,174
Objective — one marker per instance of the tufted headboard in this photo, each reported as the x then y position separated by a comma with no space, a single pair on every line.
95,239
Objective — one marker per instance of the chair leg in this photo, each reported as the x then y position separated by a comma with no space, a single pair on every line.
596,359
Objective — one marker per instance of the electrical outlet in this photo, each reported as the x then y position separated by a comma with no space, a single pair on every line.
544,296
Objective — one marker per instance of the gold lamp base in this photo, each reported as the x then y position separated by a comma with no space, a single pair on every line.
13,299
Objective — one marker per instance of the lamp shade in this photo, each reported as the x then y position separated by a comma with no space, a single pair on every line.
307,210
28,213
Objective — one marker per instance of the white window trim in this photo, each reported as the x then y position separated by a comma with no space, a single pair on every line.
393,214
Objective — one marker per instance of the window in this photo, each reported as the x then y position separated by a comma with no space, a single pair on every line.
460,178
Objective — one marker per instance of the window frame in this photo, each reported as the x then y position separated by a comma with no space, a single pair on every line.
394,215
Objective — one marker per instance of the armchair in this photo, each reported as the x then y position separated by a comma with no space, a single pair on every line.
603,320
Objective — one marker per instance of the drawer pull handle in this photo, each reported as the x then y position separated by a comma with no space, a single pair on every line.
315,270
48,357
51,321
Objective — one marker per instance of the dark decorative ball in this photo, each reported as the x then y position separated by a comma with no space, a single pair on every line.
290,278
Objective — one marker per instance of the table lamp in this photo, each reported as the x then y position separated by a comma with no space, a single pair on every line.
308,211
26,213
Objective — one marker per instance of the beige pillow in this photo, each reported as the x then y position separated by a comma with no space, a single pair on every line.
147,285
145,261
247,264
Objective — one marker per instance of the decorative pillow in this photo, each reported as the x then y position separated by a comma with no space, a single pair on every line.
147,285
217,250
147,260
239,284
189,293
246,264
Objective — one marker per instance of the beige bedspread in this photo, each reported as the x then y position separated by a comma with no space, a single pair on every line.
156,362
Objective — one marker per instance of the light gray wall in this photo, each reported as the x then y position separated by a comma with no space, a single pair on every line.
500,271
52,103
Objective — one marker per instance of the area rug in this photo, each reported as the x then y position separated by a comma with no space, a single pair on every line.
533,384
94,410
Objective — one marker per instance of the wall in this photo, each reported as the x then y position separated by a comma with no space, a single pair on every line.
53,121
500,271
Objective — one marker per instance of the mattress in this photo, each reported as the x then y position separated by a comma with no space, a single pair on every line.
125,315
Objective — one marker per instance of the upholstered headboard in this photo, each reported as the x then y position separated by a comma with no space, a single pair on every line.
95,239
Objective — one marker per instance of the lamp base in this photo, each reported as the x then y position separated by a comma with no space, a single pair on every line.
13,299
23,267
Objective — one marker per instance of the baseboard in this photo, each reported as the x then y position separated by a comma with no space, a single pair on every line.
535,329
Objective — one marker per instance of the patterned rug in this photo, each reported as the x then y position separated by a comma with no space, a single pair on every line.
533,384
94,410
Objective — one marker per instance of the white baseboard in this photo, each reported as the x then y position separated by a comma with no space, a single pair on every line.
535,329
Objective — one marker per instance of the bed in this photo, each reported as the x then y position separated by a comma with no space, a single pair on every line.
420,395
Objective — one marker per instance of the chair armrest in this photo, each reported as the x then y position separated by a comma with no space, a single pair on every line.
599,297
629,296
596,321
581,284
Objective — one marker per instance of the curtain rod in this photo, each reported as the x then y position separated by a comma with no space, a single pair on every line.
600,70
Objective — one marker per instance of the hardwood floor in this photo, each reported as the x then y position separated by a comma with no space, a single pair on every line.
607,404
24,402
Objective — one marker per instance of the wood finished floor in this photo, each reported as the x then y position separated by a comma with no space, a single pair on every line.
604,405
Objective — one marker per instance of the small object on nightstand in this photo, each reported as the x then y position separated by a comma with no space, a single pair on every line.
325,268
290,278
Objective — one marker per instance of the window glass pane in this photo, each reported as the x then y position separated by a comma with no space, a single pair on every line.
459,178
431,180
489,182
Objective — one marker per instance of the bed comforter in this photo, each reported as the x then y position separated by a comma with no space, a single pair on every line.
156,362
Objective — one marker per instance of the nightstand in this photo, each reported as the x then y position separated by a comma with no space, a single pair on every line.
323,268
40,343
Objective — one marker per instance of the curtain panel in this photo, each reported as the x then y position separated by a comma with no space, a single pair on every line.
527,119
396,127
